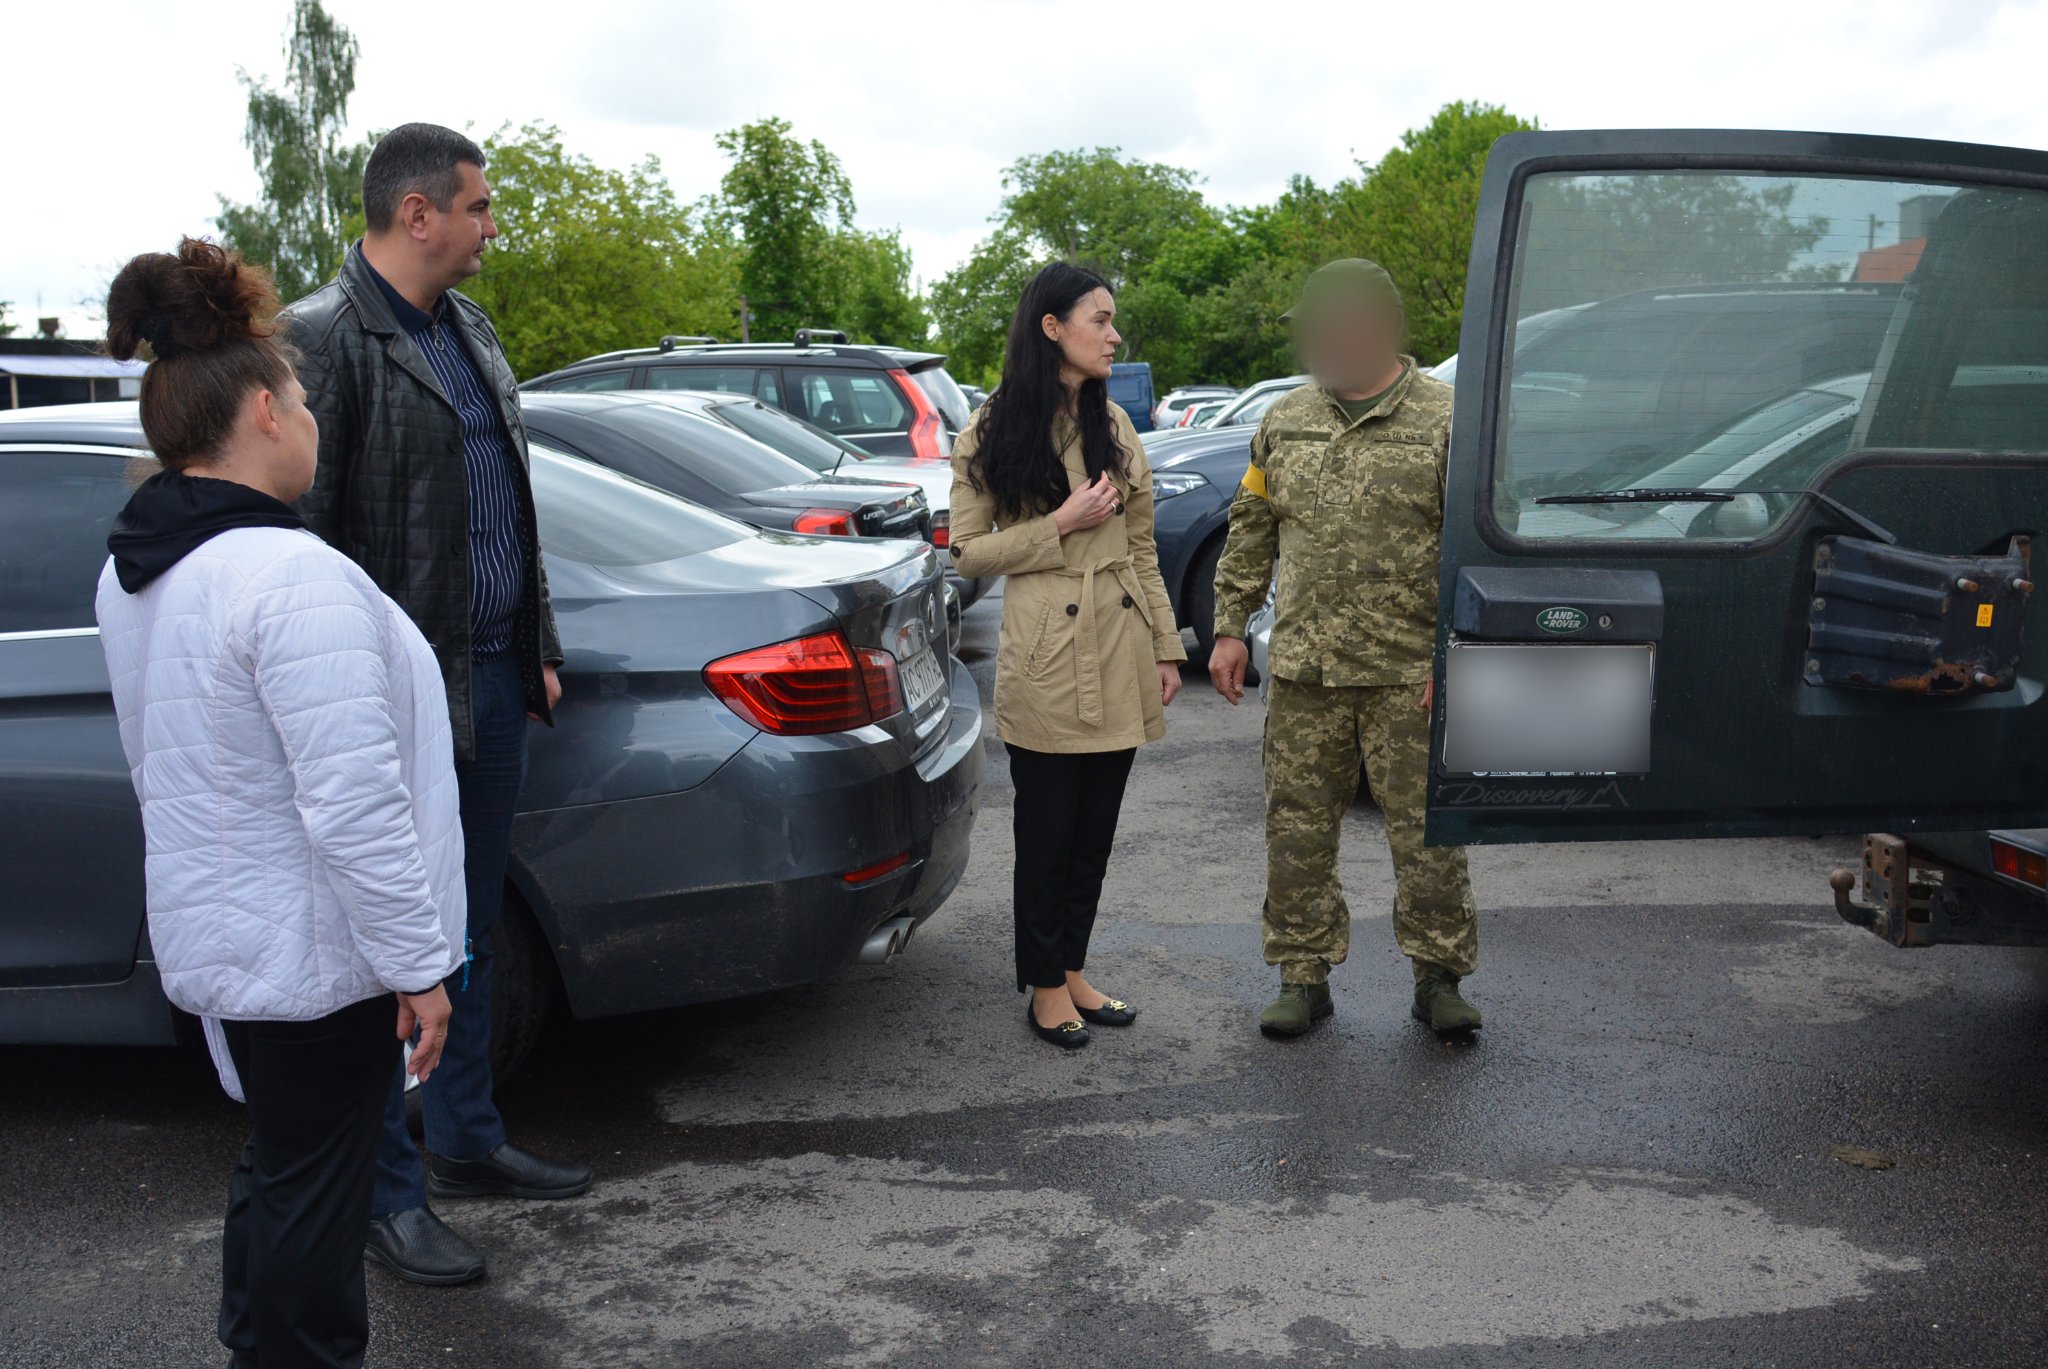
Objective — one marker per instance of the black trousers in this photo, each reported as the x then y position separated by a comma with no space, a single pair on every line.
299,1201
1065,823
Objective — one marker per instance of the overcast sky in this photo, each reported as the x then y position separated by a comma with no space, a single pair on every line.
126,119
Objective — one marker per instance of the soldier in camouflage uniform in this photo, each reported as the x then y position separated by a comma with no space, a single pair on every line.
1342,505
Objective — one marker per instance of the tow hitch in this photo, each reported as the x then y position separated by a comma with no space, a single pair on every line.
1912,899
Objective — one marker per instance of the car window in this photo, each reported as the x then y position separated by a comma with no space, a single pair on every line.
738,380
1254,408
619,379
946,396
55,510
722,456
790,435
587,513
847,401
1690,328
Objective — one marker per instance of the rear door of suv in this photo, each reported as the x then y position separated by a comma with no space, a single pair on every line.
1833,646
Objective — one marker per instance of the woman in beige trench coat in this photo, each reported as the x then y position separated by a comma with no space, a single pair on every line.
1051,490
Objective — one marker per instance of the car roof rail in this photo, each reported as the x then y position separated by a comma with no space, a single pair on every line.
811,337
671,341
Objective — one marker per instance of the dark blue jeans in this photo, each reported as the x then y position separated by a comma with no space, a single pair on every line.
462,1121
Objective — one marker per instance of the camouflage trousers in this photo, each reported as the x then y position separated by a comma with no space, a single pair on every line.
1315,738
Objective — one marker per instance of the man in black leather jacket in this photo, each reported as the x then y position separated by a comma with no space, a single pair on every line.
423,482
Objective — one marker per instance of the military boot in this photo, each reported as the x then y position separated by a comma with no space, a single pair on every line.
1299,1007
1438,1002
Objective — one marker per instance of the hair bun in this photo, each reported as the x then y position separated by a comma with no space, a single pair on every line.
200,297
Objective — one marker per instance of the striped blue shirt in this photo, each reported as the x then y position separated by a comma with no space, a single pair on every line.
497,546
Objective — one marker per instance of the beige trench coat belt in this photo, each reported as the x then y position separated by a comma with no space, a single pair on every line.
1087,646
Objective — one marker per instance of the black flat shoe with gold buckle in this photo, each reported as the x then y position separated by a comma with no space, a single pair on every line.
1114,1012
1067,1035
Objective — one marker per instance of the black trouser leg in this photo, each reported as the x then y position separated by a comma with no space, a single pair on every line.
1065,823
1099,803
299,1202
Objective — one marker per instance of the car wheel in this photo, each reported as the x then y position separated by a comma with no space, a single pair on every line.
522,997
1200,598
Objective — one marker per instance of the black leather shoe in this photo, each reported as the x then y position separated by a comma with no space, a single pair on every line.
1113,1013
507,1172
1069,1035
419,1247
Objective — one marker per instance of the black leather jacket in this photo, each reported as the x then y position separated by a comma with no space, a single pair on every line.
392,491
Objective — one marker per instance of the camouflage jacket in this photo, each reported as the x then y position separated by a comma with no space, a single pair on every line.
1347,519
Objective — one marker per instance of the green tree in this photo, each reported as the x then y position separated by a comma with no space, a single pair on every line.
6,328
786,199
591,259
312,177
1090,206
1413,213
790,205
876,291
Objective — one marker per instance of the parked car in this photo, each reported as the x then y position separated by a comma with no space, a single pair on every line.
1194,478
976,396
686,448
832,457
890,400
765,763
1171,412
1200,415
1527,330
1251,403
1130,386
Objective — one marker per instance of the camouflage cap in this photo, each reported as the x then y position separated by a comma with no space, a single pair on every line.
1346,280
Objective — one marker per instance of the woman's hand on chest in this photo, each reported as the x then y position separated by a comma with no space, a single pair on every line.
1089,506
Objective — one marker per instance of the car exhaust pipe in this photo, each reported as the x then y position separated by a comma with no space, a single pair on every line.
887,941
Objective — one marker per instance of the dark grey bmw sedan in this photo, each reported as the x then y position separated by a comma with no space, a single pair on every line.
765,765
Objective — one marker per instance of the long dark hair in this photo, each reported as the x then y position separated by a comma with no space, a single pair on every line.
209,319
1015,458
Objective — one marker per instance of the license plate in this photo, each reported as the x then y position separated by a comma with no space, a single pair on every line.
924,680
1548,710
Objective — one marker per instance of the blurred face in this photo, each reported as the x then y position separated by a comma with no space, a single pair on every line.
1087,337
1349,345
455,238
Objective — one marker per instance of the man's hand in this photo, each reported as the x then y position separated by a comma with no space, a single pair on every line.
1227,662
1428,693
429,1012
1169,682
551,684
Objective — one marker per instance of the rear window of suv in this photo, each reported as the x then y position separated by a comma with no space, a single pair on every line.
945,394
1697,297
847,402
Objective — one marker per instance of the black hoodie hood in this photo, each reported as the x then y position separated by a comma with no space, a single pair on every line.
170,515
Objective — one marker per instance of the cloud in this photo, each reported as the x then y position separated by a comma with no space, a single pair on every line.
927,102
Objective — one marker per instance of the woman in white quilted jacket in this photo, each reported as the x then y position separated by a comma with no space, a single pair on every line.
287,732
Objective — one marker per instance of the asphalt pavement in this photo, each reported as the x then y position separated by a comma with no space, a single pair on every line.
1706,1124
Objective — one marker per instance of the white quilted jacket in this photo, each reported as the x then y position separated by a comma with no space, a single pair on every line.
287,731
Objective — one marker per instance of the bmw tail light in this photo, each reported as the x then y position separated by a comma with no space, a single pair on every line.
825,522
925,428
809,686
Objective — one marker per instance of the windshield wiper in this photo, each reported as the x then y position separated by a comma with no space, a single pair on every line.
1634,496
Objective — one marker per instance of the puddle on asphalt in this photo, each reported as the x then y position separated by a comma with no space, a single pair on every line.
880,1250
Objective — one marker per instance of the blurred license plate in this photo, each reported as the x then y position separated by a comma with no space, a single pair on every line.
924,679
1547,710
